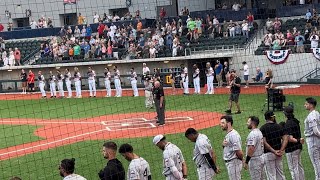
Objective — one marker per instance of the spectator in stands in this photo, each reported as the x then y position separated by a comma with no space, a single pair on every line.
245,29
88,32
17,56
2,44
238,29
5,58
269,25
11,57
10,26
77,32
77,51
250,19
224,6
50,23
139,26
96,17
236,6
259,75
80,19
308,14
232,29
163,13
299,40
66,168
62,32
152,51
33,24
276,44
109,50
210,30
198,22
290,40
314,38
277,24
69,32
191,24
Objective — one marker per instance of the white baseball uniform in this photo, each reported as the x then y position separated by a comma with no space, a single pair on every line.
77,84
60,84
52,81
107,82
139,169
196,81
210,79
172,159
313,141
185,80
202,147
148,94
233,163
256,164
67,77
42,83
92,83
133,80
117,83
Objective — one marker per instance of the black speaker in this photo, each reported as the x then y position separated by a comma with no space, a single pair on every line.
276,99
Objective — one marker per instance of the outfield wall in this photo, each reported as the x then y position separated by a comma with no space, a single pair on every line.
296,66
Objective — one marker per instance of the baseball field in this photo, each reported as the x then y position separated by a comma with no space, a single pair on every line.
36,134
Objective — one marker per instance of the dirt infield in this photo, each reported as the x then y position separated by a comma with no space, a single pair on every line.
304,90
57,132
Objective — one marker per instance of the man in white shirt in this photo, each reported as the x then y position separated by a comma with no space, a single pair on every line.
66,169
236,7
312,134
152,52
96,18
314,41
246,73
33,24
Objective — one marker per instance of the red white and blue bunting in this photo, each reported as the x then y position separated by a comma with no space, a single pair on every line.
316,52
277,56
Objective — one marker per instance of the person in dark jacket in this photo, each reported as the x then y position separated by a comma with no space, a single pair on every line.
114,169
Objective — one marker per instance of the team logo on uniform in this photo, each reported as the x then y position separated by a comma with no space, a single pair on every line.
277,57
316,53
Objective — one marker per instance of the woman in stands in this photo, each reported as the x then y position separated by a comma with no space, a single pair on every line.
268,80
23,77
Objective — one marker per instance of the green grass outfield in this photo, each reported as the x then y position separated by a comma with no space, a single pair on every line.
89,160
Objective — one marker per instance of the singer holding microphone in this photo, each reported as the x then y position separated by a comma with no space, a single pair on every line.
235,84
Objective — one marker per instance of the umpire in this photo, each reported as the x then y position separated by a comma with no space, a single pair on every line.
294,147
275,141
159,102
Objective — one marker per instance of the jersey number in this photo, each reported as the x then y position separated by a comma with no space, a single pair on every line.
145,173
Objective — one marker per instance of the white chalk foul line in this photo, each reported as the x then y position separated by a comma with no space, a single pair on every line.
50,122
53,142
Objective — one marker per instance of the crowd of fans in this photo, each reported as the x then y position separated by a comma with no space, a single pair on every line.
12,57
294,38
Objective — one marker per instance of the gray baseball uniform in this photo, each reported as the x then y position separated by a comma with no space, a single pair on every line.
172,157
256,164
313,141
138,169
233,163
202,147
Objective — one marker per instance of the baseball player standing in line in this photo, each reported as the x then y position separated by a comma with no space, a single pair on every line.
294,147
52,81
60,84
42,83
139,168
203,155
275,140
67,79
196,79
77,82
312,133
254,151
117,82
210,78
133,80
148,87
107,81
232,152
92,82
174,166
185,79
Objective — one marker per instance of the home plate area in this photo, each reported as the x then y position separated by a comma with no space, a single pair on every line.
139,123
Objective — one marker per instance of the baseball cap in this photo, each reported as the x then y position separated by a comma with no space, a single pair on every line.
288,110
269,115
157,139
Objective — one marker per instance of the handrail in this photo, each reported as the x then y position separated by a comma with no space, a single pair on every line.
309,74
32,54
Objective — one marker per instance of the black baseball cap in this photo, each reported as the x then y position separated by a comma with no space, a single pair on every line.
268,115
288,110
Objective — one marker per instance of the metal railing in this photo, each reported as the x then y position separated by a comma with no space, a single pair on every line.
310,74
